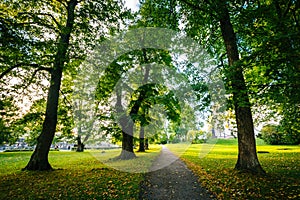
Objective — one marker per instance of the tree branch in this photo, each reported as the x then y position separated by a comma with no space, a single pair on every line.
66,101
195,7
39,21
198,7
33,75
287,8
24,64
52,17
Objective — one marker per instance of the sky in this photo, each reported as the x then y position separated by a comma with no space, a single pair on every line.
132,4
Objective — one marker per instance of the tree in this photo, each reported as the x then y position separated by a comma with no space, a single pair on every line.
247,157
121,77
127,130
272,72
141,101
39,158
142,124
218,12
56,37
150,95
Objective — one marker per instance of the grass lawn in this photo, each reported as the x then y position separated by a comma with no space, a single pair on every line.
214,165
87,175
91,175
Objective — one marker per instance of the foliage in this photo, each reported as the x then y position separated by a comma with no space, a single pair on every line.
276,134
127,72
30,124
198,137
7,110
269,133
147,96
159,13
268,33
215,172
48,40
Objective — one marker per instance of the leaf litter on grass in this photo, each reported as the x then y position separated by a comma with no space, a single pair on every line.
216,173
81,176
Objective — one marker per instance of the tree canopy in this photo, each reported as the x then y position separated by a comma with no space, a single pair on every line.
45,45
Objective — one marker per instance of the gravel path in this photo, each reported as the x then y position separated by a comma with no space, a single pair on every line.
171,181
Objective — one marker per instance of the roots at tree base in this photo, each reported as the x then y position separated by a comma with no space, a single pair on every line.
126,155
38,163
142,145
254,169
80,147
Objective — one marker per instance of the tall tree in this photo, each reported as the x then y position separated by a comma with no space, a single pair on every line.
121,77
218,12
142,129
247,156
272,41
54,36
127,129
39,158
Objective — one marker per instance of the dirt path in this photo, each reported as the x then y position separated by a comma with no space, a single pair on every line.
171,181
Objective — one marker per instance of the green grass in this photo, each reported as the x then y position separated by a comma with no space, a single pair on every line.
87,175
214,164
92,175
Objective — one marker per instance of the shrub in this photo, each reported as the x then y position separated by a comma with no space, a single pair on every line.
199,141
176,140
275,135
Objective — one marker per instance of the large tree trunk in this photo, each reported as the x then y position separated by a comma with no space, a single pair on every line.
39,158
127,125
127,130
127,139
145,80
127,147
247,155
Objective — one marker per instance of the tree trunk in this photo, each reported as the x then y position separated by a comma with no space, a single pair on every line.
146,144
145,80
127,139
127,147
142,140
127,130
247,156
80,145
39,158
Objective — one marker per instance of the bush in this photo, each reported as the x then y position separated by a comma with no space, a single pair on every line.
198,141
176,140
275,135
163,142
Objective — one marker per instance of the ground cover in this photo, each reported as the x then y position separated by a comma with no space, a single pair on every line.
77,176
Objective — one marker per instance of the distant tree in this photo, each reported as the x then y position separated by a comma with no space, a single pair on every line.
142,100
